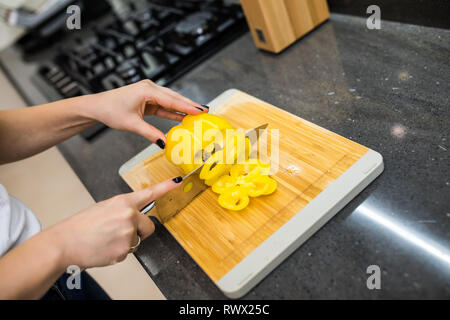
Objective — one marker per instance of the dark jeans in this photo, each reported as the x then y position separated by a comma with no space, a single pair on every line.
90,290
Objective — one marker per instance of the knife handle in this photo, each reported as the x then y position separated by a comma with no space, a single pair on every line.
148,208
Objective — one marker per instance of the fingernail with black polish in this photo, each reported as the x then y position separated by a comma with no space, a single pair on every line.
161,143
205,106
177,179
200,109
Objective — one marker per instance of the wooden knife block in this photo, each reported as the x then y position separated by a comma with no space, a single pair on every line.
276,24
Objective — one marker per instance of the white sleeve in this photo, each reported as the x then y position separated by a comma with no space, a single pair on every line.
17,222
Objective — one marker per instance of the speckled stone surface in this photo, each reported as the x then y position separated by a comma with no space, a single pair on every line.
387,89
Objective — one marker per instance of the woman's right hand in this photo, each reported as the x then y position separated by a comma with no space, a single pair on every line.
104,233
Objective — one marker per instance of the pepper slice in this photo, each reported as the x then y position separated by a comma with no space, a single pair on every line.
210,182
234,198
214,167
247,178
223,183
249,169
262,185
222,160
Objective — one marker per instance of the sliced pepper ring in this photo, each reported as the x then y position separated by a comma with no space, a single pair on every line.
262,185
214,167
234,198
245,170
271,186
223,183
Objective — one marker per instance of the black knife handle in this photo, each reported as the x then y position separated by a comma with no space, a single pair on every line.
148,207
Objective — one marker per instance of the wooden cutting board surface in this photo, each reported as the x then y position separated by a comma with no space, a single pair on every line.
310,158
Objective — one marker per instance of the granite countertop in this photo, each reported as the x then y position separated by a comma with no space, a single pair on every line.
387,89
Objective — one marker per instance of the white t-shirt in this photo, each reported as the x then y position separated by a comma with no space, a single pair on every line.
17,222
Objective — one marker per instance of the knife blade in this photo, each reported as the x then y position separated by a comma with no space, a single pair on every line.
169,204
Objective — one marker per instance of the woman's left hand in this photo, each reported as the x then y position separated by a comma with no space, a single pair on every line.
124,108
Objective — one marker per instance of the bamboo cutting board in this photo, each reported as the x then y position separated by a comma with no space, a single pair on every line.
236,249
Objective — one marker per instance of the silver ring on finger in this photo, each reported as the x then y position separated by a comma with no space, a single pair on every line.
134,248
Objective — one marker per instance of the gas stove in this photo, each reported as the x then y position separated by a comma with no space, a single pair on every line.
158,40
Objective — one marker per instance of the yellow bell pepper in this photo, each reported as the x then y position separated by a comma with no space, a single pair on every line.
203,138
186,142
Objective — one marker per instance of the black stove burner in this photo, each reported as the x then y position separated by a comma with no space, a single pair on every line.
195,24
160,41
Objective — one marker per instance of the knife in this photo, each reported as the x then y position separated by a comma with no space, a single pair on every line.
169,204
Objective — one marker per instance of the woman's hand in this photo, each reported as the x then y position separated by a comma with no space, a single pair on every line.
98,236
124,108
104,233
27,131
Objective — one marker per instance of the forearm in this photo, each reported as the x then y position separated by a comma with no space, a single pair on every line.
27,131
28,271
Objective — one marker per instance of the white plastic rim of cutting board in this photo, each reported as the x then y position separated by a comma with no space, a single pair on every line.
271,252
